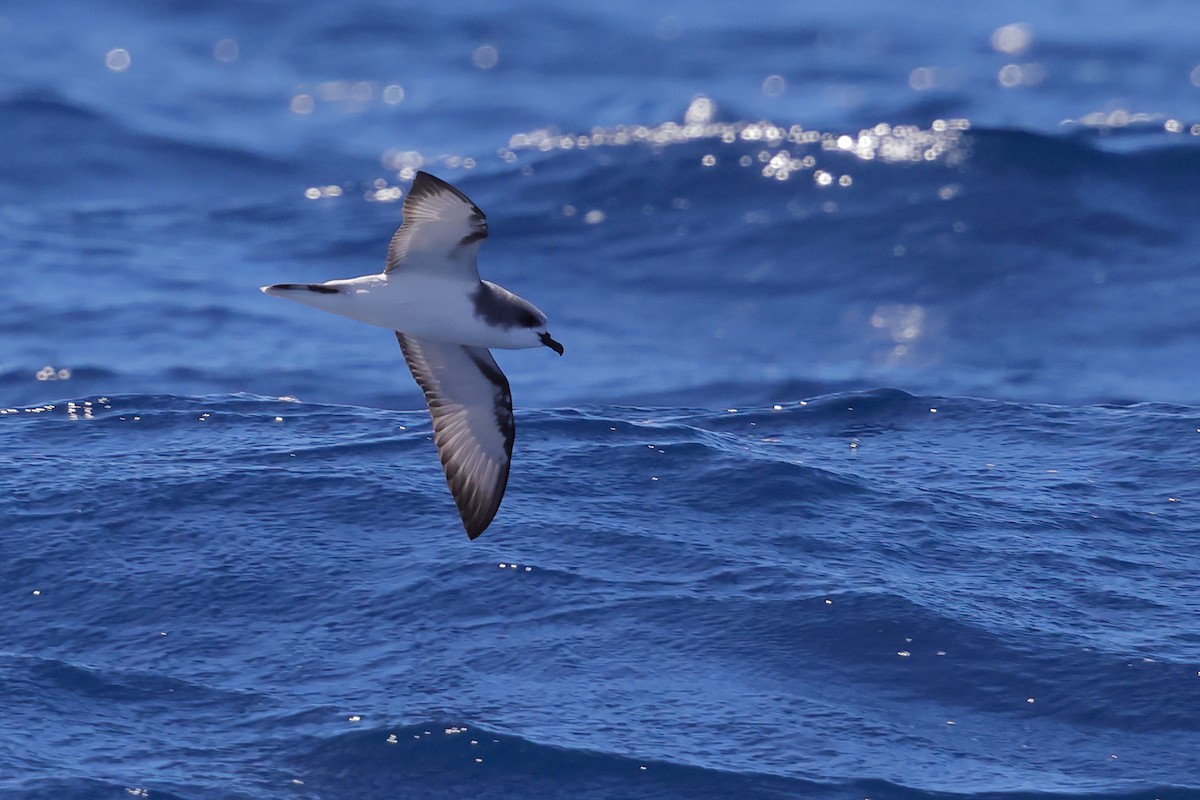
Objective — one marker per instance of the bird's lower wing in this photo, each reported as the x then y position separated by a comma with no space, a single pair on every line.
473,426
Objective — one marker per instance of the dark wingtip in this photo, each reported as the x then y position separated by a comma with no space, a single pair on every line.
296,287
425,184
474,528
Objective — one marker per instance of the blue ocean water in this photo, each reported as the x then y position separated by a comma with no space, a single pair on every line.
870,470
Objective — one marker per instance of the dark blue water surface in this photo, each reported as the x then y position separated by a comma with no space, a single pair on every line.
871,470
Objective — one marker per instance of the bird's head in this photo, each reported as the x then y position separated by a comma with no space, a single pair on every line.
531,318
524,322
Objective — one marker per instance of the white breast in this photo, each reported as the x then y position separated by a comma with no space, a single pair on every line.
416,304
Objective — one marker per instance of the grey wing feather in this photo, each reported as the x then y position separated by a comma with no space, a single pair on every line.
473,425
441,230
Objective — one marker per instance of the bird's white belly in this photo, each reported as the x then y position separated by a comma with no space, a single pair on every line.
418,305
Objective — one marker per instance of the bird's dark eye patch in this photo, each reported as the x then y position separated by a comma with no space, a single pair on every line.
527,319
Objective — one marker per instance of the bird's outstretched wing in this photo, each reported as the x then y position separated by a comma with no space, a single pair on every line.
441,231
473,426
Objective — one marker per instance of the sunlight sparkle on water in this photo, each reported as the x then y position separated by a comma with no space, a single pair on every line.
117,59
346,96
1012,39
785,150
924,79
226,51
701,110
1124,118
1013,75
49,373
302,104
485,57
942,141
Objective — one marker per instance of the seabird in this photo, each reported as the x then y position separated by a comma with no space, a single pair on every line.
446,319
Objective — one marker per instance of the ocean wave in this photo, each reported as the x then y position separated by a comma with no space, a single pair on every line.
444,757
86,788
70,147
439,756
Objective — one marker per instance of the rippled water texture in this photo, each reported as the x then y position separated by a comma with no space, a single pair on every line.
870,469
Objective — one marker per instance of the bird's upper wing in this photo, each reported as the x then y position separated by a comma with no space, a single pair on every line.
441,231
473,426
